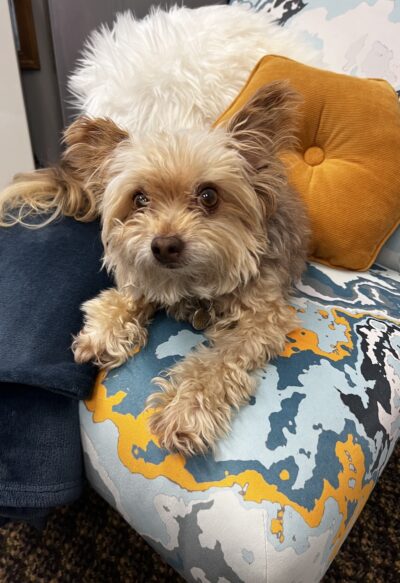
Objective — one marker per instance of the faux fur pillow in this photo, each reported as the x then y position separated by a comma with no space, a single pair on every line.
347,166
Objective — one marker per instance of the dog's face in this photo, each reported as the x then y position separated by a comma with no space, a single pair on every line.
185,213
179,216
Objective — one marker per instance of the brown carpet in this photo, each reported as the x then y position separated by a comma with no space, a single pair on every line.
90,543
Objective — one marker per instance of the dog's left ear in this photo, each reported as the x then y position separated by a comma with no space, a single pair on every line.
264,127
90,143
267,123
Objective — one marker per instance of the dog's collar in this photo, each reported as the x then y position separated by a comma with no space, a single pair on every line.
203,314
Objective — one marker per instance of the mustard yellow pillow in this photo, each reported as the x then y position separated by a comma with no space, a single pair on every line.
347,167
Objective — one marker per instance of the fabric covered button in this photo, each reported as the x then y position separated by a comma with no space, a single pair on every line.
314,156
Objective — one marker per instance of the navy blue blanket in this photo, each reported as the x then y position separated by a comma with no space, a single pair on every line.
45,275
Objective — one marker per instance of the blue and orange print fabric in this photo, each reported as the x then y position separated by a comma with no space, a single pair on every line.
281,492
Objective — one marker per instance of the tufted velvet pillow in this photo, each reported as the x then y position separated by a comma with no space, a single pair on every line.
347,165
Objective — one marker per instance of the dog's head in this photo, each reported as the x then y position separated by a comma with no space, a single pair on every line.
186,213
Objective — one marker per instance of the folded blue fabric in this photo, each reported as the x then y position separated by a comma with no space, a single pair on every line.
40,460
46,274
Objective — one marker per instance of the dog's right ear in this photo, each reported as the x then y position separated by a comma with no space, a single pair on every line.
90,143
73,188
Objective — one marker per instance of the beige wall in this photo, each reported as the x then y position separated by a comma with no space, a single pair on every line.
15,146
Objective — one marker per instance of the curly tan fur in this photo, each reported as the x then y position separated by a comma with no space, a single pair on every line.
71,189
114,329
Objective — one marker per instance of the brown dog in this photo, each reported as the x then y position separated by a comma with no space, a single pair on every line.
202,223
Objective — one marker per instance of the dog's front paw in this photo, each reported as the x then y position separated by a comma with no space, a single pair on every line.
108,348
183,425
188,418
84,348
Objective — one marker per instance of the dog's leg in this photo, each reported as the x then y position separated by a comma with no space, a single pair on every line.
198,398
114,327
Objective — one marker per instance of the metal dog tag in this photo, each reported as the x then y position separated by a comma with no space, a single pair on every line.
201,319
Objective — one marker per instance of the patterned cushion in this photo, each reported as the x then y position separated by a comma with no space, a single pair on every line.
370,49
282,491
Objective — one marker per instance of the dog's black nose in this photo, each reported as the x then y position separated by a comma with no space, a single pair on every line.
167,250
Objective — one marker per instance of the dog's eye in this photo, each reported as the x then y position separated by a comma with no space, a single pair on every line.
208,198
140,200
